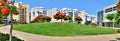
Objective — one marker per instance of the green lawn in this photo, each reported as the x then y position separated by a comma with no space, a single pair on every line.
62,29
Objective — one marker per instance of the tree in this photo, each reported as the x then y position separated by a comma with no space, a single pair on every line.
117,18
118,6
6,9
61,15
88,22
114,16
48,19
68,18
42,18
78,19
110,16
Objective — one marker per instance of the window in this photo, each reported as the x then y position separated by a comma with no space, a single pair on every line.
108,10
33,13
114,8
38,12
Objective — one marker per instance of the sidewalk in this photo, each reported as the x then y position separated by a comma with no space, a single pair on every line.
34,37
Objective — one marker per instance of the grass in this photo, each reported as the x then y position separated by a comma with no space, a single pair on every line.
62,29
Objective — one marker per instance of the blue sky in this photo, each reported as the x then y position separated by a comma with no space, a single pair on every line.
91,6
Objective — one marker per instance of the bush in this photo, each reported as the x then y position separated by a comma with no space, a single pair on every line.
5,37
16,22
118,31
88,22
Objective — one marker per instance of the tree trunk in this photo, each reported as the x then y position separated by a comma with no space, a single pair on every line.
61,20
78,22
11,27
11,23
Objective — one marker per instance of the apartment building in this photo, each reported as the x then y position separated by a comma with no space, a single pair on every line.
38,11
52,12
100,17
22,16
70,12
83,14
101,14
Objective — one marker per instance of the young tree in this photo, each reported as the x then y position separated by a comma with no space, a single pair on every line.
48,19
68,18
110,16
59,15
6,9
88,22
117,18
78,19
42,18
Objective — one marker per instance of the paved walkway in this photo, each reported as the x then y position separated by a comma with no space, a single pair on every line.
33,37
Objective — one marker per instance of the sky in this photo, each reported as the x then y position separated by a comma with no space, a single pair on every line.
90,6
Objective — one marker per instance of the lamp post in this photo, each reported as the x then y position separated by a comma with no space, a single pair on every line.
11,3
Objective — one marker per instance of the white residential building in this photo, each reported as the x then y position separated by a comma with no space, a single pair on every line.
90,17
101,14
52,12
38,11
72,13
108,10
83,14
23,15
86,17
75,13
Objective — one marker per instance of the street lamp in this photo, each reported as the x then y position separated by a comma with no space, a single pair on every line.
11,3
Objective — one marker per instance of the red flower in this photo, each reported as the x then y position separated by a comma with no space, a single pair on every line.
66,17
5,11
1,4
59,15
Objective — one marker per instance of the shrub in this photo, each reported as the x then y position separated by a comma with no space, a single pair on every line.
118,30
16,22
88,22
5,37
